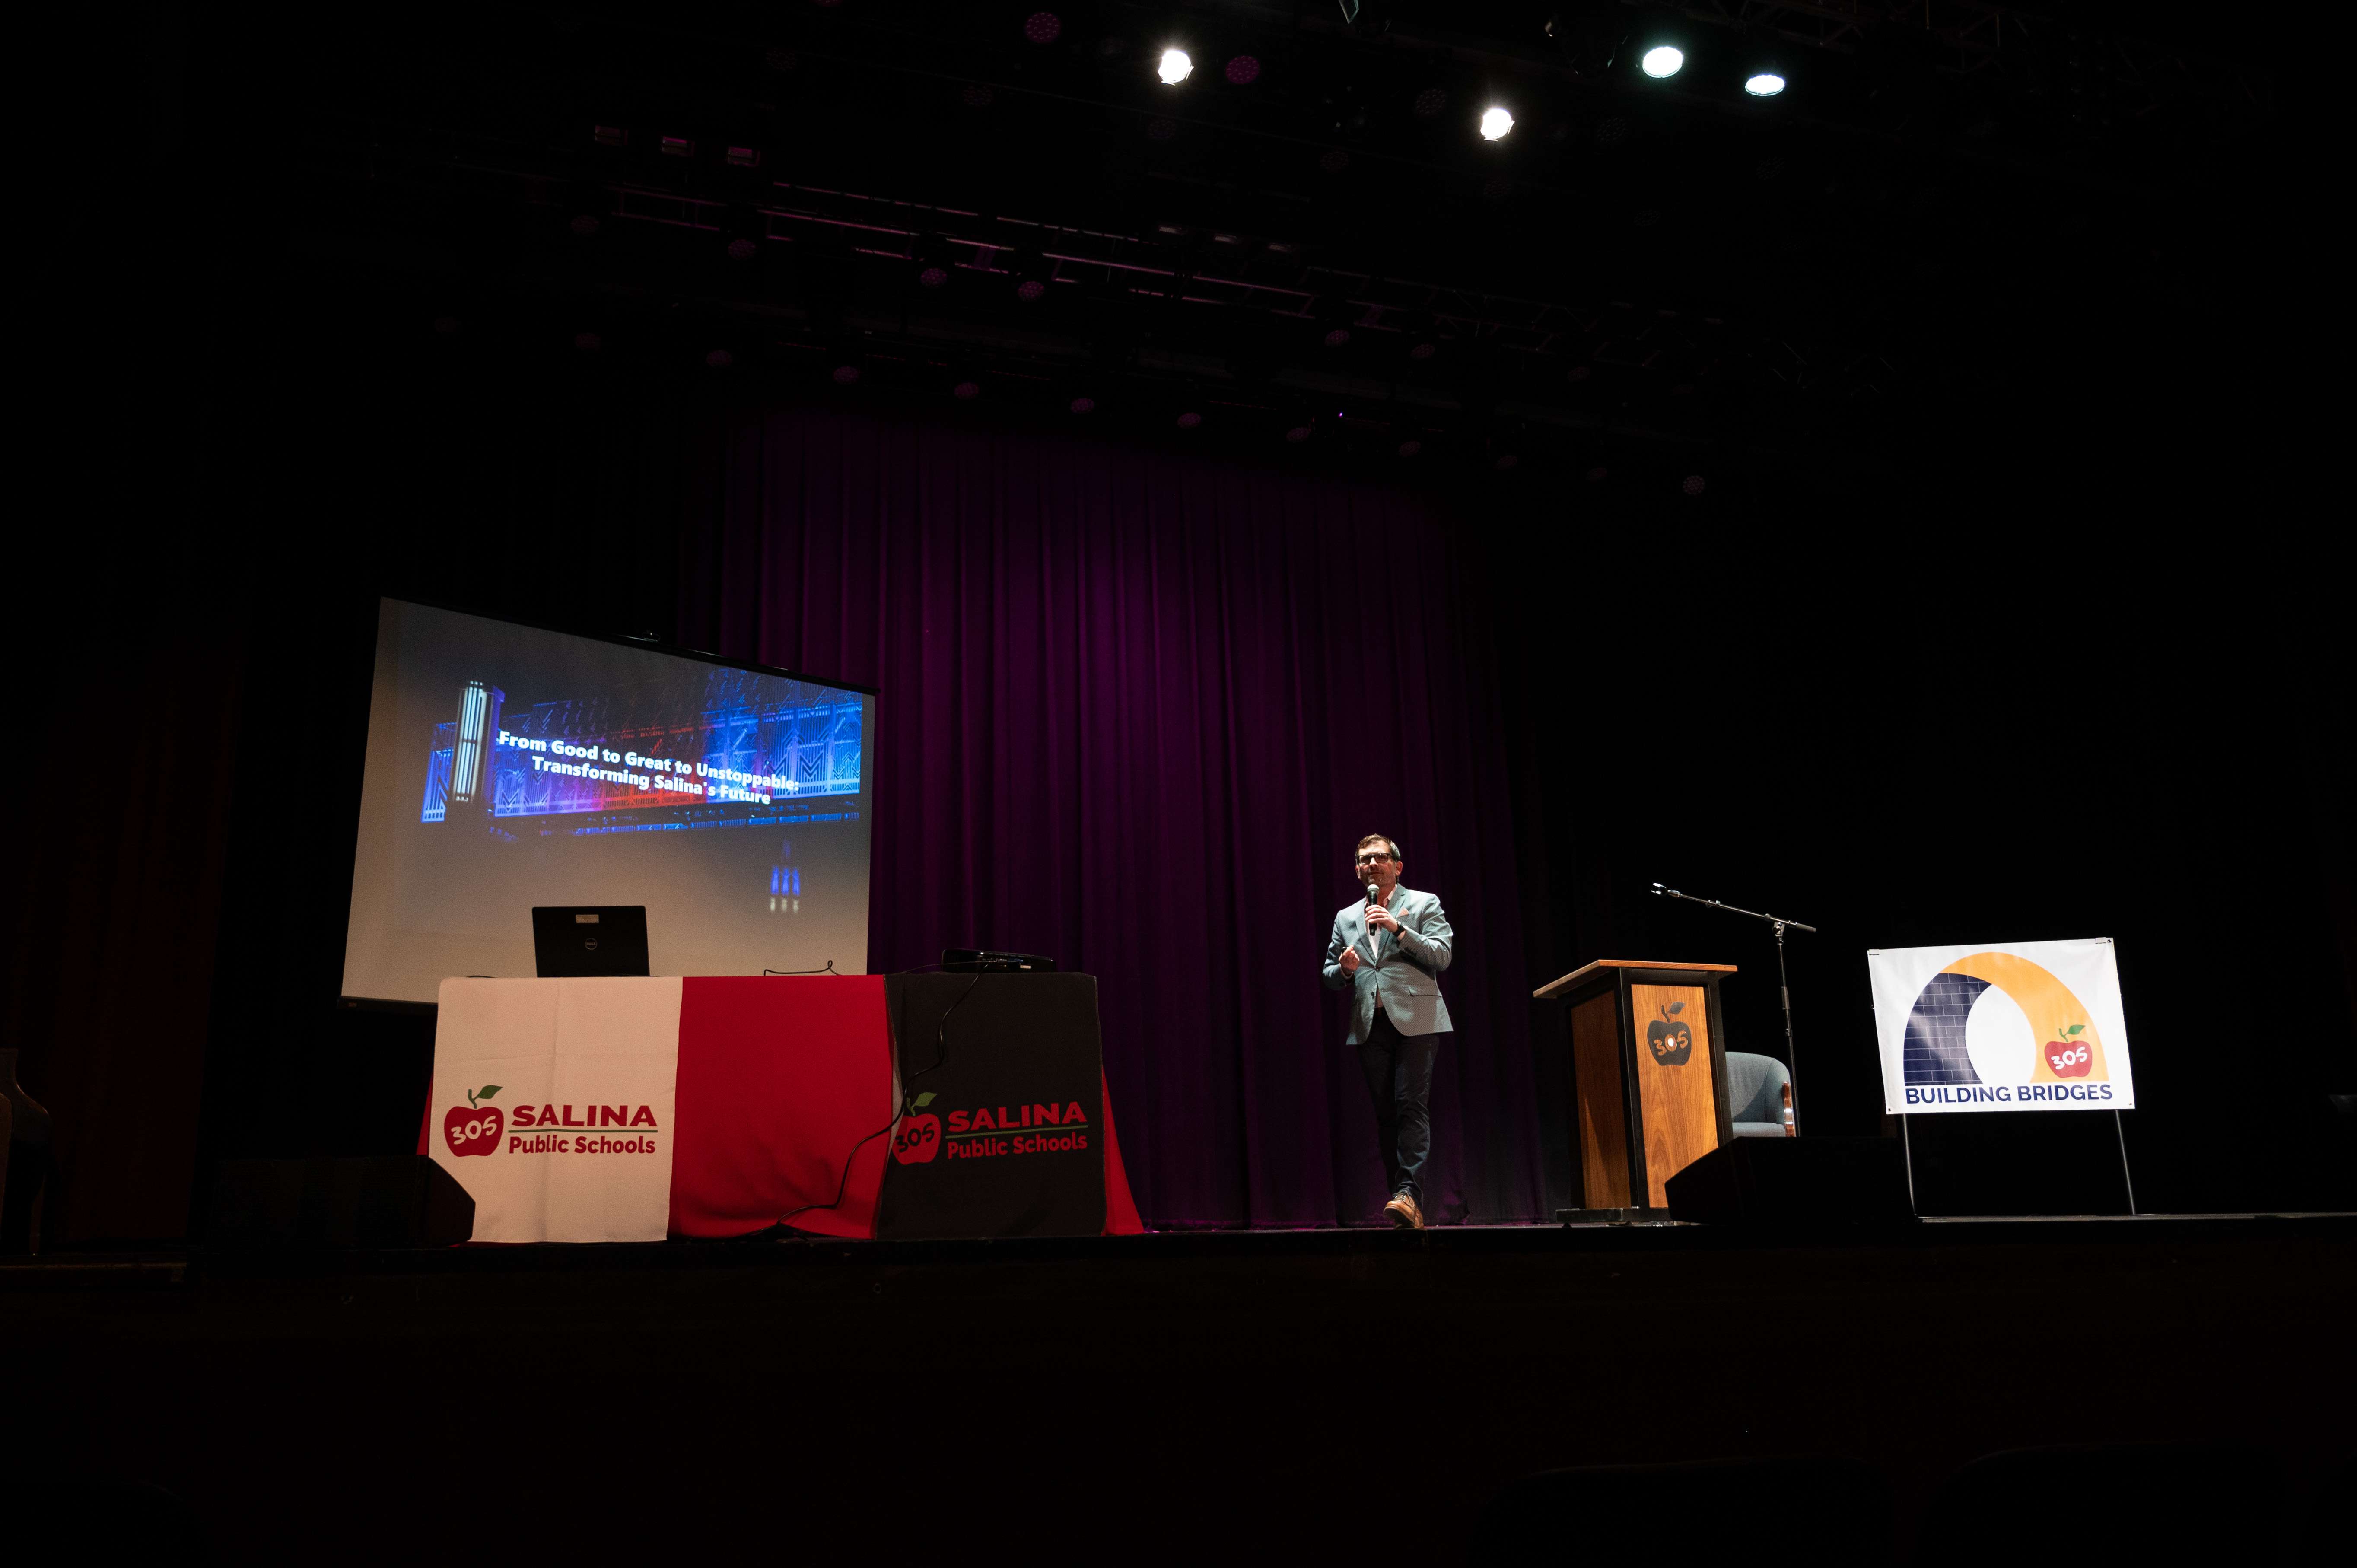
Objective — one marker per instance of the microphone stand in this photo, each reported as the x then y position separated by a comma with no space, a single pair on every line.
1792,1052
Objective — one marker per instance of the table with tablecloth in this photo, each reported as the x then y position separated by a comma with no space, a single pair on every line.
630,1110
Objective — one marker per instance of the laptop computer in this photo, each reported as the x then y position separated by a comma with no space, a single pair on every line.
578,941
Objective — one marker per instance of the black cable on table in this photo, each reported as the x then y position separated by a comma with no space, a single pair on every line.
941,1055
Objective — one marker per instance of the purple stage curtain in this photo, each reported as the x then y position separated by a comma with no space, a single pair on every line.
1135,712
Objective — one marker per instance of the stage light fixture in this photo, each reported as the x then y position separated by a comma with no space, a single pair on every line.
1764,85
1029,290
1188,420
719,359
1495,123
966,390
933,276
846,374
1336,337
1243,70
1297,434
1694,485
742,249
1043,26
587,342
1175,67
1664,62
1410,448
1084,404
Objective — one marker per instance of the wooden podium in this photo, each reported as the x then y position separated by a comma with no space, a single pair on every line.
1647,1076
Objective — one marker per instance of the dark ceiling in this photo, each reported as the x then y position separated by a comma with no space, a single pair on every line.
850,199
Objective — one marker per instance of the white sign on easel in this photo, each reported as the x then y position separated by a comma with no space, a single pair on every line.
1978,1027
2001,1026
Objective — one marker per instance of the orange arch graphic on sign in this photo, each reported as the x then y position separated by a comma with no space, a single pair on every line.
2052,1011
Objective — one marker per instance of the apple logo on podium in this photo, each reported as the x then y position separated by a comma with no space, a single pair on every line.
1669,1037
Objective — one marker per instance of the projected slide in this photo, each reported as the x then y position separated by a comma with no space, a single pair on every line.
510,767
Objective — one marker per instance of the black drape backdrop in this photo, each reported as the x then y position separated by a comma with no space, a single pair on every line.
1137,704
1136,710
258,434
113,898
1938,729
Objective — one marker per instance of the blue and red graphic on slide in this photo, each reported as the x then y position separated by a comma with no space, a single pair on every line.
684,749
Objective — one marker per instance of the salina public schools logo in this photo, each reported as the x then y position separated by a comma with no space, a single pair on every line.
1950,1060
475,1128
1670,1037
986,1133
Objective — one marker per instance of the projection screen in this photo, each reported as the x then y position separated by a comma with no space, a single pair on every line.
510,767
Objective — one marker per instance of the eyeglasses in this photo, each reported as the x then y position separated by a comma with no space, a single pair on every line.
1372,859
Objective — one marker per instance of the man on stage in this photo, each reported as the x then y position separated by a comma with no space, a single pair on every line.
1390,948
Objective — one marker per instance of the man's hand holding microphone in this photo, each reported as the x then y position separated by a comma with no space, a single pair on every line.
1379,918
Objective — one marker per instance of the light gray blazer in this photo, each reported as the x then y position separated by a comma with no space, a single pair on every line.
1401,971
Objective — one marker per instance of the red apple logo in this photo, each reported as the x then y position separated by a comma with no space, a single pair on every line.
920,1137
474,1129
1669,1037
2070,1059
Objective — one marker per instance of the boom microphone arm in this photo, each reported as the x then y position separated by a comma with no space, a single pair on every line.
1792,1052
1776,921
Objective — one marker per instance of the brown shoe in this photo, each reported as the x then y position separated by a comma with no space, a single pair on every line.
1404,1214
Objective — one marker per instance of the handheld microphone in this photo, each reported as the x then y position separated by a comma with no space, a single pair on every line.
1374,893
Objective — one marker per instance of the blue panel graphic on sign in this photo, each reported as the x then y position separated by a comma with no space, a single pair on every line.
1934,1051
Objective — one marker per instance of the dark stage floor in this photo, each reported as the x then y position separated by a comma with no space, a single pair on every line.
1311,1395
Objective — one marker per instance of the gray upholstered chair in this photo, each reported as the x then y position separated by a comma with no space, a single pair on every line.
1755,1094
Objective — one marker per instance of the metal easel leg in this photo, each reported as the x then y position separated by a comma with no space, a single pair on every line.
1906,1151
2121,1132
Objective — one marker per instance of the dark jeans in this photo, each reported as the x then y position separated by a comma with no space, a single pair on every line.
1399,1081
